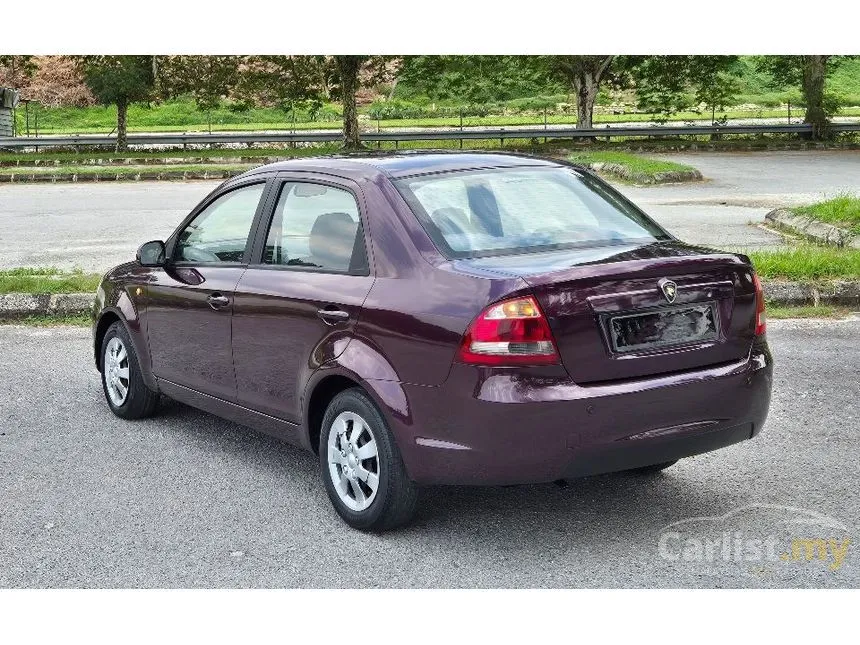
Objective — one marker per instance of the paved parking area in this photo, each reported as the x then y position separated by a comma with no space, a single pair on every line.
739,190
96,226
188,500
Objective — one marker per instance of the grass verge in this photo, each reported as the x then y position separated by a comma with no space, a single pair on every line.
123,170
10,158
47,280
595,151
807,262
822,311
183,116
635,168
842,211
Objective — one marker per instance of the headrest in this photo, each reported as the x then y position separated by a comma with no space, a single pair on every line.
332,239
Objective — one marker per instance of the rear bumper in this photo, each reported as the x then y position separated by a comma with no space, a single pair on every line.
488,426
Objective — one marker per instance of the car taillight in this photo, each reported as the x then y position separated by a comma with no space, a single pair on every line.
511,332
760,316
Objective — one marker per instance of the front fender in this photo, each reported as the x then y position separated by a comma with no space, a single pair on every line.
122,299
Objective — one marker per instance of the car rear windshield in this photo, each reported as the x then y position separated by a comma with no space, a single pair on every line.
479,213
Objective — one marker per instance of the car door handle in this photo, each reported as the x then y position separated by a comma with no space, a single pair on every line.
218,301
332,316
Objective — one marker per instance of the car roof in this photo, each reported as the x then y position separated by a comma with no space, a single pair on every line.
403,164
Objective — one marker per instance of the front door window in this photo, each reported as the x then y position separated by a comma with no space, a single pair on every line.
220,232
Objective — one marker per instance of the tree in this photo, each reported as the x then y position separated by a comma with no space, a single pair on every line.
661,83
208,79
810,72
348,68
15,70
286,81
714,80
119,80
671,84
57,82
584,75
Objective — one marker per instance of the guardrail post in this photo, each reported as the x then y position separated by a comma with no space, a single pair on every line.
461,128
544,124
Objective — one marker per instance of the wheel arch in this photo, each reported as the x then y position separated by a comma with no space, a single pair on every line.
107,317
326,383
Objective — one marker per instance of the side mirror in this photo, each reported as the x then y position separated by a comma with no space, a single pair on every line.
151,254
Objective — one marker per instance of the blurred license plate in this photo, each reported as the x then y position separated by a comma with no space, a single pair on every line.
662,327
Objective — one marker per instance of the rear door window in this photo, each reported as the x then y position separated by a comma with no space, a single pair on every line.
316,227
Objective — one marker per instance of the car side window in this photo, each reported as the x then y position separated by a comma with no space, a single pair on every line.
317,227
220,232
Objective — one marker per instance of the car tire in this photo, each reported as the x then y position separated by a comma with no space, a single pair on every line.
653,469
126,393
361,465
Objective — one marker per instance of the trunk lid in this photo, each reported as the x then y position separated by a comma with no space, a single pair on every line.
612,320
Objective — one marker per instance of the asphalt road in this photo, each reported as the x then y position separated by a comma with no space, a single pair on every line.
188,500
96,226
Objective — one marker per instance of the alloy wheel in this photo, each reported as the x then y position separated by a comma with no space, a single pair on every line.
116,371
353,461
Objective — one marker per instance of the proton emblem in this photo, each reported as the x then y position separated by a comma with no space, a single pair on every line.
669,289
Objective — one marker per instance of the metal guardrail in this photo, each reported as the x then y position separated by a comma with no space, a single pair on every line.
180,139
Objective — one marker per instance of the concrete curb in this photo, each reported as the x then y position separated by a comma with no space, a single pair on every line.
19,305
777,292
225,160
811,228
837,292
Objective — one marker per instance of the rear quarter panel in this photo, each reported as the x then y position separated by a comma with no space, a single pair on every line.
419,307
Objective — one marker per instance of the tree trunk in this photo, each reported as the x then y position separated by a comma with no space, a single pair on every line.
349,66
121,118
584,74
585,87
814,73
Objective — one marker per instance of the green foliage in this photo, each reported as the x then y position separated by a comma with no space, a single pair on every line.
842,210
288,82
115,79
474,79
51,320
635,163
207,79
672,84
821,311
661,84
714,80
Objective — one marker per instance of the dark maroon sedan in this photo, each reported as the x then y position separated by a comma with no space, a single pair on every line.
439,319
